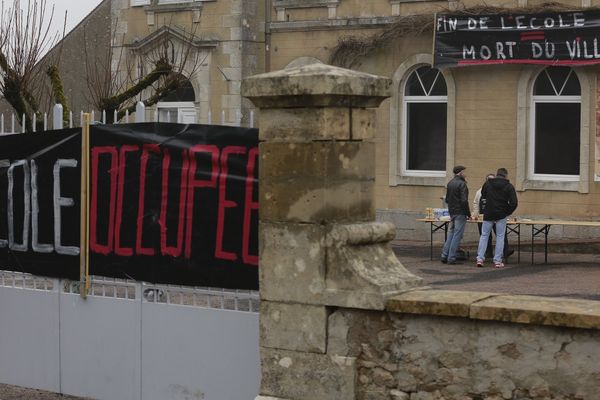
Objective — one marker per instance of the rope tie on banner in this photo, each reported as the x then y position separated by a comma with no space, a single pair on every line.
84,232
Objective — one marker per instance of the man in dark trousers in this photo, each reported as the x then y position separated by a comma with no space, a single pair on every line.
501,201
457,197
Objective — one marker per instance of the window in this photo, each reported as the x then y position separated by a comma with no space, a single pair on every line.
178,106
424,135
556,126
422,123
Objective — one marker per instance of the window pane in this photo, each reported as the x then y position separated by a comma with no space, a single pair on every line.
426,137
572,88
428,76
167,114
557,127
543,86
556,76
439,87
431,83
413,85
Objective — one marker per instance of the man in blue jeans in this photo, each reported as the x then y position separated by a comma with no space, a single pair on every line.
457,197
501,201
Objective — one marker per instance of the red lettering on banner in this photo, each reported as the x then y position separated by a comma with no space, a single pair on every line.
194,183
122,251
224,203
94,245
165,249
249,207
146,149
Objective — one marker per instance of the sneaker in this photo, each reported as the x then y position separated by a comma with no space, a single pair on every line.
498,265
479,264
444,260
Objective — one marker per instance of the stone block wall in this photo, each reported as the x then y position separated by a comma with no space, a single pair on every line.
340,316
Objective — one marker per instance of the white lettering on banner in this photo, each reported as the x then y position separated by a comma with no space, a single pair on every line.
500,51
23,246
60,202
547,51
31,208
468,52
35,211
536,50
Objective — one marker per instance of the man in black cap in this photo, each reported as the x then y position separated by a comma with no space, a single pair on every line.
457,197
501,201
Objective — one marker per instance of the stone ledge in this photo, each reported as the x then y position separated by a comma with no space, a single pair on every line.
436,302
520,309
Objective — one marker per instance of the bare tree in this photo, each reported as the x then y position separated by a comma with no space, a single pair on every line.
118,90
24,38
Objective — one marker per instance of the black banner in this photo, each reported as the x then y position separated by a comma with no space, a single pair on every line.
554,38
39,203
169,203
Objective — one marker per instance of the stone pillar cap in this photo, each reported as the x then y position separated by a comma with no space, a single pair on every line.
316,85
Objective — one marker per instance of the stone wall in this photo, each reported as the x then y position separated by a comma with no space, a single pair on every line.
506,347
438,345
340,316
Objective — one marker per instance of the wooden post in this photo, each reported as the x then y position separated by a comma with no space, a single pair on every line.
84,232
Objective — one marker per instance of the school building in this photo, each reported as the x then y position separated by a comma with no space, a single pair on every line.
538,121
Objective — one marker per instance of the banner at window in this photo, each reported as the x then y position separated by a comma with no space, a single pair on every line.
169,203
554,38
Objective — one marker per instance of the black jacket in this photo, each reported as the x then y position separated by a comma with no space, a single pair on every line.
500,199
457,196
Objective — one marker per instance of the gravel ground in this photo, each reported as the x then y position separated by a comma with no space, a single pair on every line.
8,392
565,275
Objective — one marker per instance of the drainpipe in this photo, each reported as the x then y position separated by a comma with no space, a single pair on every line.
268,14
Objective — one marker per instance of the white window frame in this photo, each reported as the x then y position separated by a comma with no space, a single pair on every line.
417,99
179,105
531,167
397,134
524,180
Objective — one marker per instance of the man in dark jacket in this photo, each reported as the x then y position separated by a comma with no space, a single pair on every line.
501,201
457,197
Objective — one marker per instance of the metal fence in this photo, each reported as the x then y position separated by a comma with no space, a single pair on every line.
128,340
12,125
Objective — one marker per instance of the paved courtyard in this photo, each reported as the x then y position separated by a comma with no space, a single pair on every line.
566,275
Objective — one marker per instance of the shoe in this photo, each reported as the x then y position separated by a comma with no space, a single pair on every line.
444,260
454,262
498,265
479,264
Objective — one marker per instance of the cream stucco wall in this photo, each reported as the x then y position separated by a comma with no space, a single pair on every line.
486,114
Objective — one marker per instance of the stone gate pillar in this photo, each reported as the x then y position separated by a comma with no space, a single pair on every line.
320,248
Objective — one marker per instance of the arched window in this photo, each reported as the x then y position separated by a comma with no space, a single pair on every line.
178,105
556,125
424,133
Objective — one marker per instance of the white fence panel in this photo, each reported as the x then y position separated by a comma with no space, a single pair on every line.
100,345
29,332
214,351
174,343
